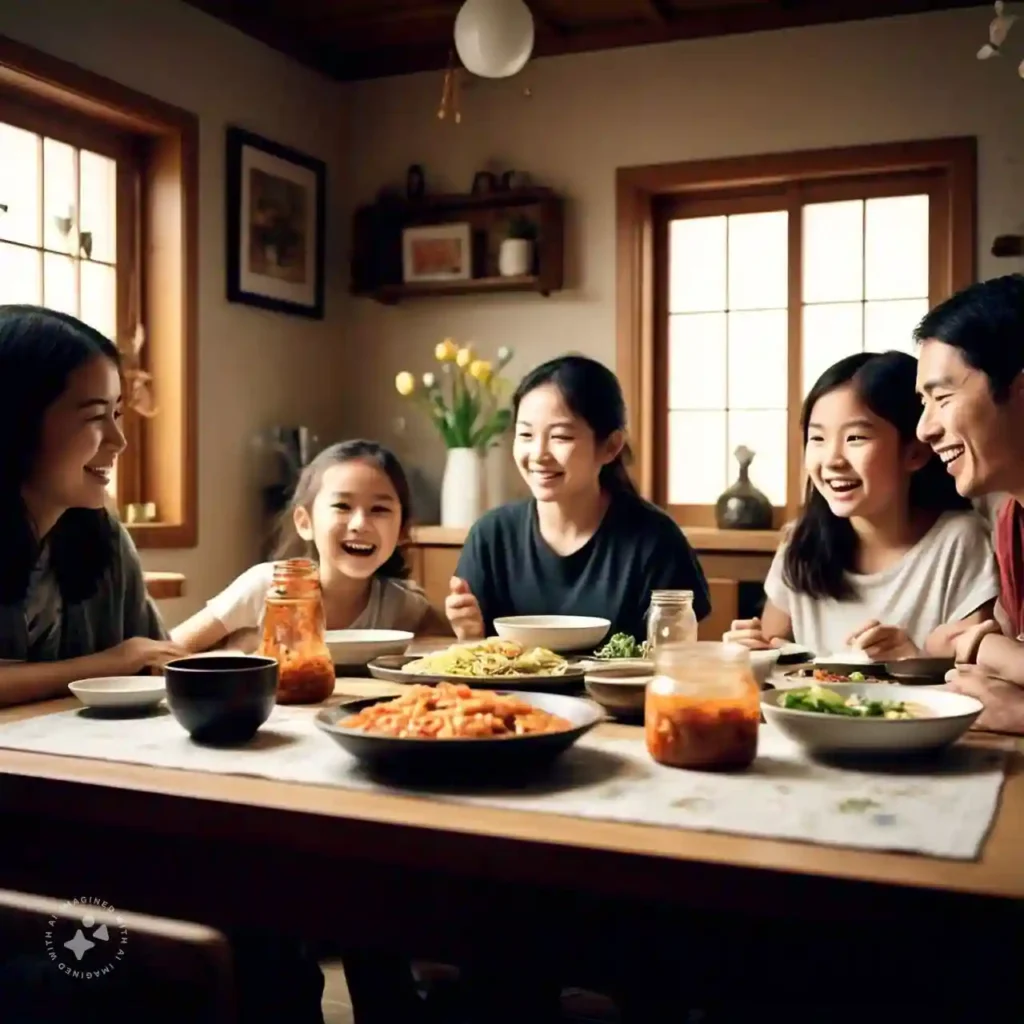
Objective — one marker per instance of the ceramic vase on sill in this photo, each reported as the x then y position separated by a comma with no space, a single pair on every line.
743,506
462,488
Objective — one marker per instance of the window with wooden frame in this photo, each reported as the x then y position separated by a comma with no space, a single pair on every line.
741,281
98,218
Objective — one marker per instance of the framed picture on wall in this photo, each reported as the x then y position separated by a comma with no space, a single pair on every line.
275,226
439,252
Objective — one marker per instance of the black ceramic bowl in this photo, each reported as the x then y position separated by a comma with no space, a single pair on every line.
469,758
221,699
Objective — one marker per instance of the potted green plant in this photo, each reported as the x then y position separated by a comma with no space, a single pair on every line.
515,256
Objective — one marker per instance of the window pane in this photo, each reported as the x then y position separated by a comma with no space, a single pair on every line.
831,332
890,325
98,186
59,196
696,457
20,275
696,361
896,244
833,253
99,298
765,434
758,344
758,265
19,185
60,289
696,265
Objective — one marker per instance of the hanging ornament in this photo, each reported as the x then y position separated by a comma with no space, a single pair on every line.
494,38
998,29
450,98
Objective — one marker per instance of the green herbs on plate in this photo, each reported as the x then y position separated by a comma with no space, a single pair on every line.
622,645
828,702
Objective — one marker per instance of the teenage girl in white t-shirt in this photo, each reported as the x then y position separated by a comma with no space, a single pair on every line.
349,512
886,557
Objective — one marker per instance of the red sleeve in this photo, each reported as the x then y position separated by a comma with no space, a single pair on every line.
1009,545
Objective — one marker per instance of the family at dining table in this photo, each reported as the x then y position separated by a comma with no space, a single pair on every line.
887,556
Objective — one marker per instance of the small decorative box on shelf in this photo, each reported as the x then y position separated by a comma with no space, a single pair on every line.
506,240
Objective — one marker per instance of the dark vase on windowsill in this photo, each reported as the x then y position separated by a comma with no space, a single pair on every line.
743,506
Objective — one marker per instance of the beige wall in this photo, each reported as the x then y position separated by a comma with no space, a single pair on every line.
877,81
255,367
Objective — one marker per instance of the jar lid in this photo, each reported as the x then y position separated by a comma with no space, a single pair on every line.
671,597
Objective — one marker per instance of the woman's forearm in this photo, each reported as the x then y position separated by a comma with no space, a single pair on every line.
44,680
1002,656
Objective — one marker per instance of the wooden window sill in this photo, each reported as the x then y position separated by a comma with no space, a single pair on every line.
163,535
164,585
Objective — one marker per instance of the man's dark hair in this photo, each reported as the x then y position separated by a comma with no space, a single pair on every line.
985,322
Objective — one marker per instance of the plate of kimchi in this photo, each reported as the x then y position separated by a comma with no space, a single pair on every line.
453,725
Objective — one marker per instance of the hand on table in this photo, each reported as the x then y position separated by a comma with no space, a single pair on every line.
1004,702
132,656
882,643
750,634
463,611
967,641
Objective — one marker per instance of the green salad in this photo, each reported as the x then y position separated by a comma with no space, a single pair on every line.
828,702
622,645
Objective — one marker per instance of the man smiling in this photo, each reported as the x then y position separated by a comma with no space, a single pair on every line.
971,379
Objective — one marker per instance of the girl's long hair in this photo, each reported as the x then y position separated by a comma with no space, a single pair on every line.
39,350
822,547
291,545
592,392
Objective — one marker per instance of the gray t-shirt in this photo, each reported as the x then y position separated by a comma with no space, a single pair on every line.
44,627
393,603
948,574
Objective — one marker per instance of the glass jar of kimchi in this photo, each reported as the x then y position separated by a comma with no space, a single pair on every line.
703,707
670,618
293,634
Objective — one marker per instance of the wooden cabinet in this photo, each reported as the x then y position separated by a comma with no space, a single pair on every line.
729,558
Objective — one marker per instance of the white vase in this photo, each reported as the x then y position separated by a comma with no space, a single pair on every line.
515,257
462,488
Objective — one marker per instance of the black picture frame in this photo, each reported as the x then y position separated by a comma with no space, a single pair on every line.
244,279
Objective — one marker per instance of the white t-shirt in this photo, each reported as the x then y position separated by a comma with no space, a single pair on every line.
948,574
393,604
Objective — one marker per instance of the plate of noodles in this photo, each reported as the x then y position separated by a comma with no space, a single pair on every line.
483,663
454,726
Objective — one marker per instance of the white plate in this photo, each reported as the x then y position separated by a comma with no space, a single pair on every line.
120,691
952,714
553,632
358,646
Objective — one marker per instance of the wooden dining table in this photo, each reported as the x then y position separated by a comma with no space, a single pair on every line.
596,899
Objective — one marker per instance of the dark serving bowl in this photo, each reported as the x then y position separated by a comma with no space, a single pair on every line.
468,759
221,699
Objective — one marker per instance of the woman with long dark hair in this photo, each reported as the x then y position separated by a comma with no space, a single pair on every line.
886,556
585,543
73,601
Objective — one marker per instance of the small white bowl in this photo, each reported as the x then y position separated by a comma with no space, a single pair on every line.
120,691
763,663
358,646
951,715
554,632
621,690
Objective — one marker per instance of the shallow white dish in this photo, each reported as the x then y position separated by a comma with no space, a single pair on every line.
359,646
763,663
120,691
553,632
619,689
952,714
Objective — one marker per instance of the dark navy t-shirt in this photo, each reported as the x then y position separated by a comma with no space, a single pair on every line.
637,549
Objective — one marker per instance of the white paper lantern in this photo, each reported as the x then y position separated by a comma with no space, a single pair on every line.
494,38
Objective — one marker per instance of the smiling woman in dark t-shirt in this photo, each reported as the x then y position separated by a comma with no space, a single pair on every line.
585,543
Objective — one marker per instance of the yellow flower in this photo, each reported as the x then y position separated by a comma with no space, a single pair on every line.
481,370
405,383
464,357
445,351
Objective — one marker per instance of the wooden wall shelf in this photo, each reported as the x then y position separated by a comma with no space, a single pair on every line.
377,243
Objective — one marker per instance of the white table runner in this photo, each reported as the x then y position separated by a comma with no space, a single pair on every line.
944,810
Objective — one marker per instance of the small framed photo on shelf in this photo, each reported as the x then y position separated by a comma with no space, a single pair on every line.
437,252
275,226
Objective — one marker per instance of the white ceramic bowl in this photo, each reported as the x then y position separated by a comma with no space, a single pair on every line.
554,632
763,663
951,715
620,690
120,691
358,646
